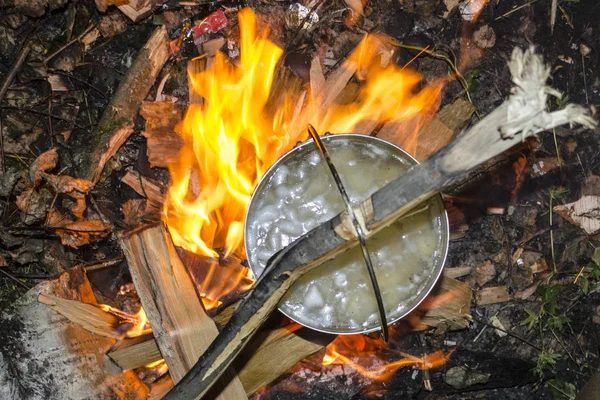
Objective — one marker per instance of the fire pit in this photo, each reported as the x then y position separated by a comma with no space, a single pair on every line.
125,241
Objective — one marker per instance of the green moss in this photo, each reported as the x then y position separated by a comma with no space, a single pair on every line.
107,127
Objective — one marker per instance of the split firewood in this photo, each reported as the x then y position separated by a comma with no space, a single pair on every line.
180,325
134,9
35,340
521,116
88,316
116,123
255,366
435,134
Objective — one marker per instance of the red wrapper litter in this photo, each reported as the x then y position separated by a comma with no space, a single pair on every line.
211,24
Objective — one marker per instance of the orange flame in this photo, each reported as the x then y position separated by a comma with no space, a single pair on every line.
242,128
212,288
368,349
160,366
140,320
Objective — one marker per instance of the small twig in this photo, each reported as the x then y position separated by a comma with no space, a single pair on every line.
13,71
553,15
42,113
587,100
14,279
2,165
101,264
4,88
70,76
516,9
508,333
69,43
563,347
435,54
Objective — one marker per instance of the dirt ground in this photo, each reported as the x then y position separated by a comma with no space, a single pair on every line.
553,314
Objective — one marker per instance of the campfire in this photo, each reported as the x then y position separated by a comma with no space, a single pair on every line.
185,317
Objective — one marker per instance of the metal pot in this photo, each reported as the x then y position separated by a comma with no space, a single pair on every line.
439,221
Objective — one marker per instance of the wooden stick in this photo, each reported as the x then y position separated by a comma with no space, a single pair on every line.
269,354
4,88
117,121
521,116
179,323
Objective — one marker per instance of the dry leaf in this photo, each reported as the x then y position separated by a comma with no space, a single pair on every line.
34,204
584,213
3,262
355,5
484,37
134,210
67,184
591,186
77,233
45,162
520,170
482,274
543,165
75,188
56,83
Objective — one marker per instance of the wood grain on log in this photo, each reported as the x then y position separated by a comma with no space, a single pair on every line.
116,123
180,325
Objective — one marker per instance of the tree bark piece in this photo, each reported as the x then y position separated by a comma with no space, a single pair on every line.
179,323
145,187
116,123
44,356
523,115
164,144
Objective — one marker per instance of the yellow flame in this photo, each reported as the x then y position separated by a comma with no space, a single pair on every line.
387,370
242,128
140,320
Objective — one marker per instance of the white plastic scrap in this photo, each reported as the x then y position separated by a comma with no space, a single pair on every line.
526,112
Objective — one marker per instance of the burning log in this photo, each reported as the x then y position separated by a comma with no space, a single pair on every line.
117,121
255,367
179,323
449,305
523,115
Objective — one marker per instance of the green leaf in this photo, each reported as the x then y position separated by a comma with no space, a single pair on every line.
557,322
596,256
531,320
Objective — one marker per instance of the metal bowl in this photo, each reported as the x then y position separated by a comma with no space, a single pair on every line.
303,150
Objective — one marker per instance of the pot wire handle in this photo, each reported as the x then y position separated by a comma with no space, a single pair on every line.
361,236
